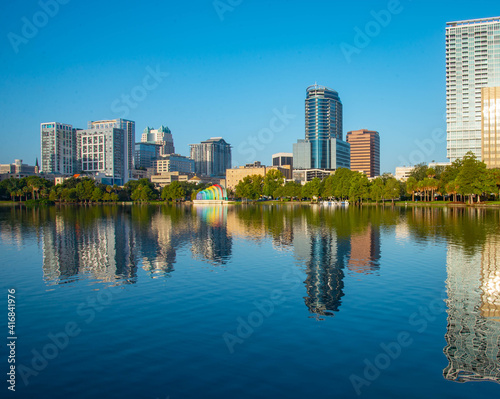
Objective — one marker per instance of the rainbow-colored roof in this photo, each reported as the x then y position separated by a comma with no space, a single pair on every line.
215,192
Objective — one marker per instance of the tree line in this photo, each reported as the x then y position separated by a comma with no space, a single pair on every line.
466,179
342,185
85,190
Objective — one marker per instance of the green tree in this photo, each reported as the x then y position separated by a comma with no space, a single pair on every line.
143,193
250,187
419,172
272,180
312,189
85,189
97,195
342,182
173,191
411,187
392,189
69,194
473,178
359,189
452,189
377,189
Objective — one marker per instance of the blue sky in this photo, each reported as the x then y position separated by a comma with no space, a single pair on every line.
227,68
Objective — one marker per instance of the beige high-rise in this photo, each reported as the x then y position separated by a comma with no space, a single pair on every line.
490,126
365,151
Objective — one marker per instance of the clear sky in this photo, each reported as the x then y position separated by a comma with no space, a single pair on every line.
226,68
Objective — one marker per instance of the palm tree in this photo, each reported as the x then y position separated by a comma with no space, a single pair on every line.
432,185
451,188
411,187
26,190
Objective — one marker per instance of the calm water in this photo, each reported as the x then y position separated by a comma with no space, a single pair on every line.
253,302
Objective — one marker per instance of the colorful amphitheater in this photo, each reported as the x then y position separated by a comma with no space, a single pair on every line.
215,194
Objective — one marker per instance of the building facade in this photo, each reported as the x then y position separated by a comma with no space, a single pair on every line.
490,126
283,158
101,151
58,148
128,128
146,154
212,157
174,163
162,137
472,62
365,151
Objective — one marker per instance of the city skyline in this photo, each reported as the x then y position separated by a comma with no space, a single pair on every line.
237,79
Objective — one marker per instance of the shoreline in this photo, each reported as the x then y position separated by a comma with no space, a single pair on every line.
385,204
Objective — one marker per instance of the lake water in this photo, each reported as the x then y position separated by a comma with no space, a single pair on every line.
267,301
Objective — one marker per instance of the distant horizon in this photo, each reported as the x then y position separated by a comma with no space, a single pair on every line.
209,71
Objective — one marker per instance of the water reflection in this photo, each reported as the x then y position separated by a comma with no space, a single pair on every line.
325,272
211,241
111,243
473,333
101,248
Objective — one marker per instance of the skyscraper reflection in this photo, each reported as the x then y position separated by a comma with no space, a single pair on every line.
103,248
365,251
325,274
473,333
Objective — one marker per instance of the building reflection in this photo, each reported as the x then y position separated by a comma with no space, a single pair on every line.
473,332
158,246
324,271
211,242
365,251
102,249
328,242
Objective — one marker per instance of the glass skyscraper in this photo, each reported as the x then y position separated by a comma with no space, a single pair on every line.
472,62
323,147
323,123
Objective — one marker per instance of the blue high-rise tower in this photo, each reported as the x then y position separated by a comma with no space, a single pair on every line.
323,122
323,147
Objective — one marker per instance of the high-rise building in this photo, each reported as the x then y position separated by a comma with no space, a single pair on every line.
58,148
162,137
490,126
211,157
146,154
365,151
128,128
101,151
472,62
323,123
323,147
